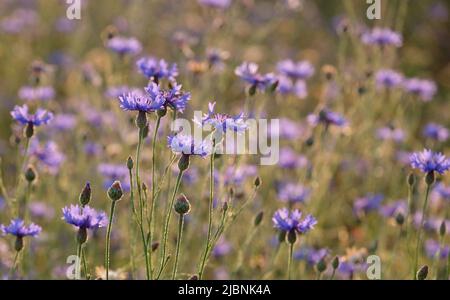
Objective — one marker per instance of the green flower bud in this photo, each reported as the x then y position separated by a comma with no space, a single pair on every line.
422,273
252,90
411,179
400,219
85,195
182,205
321,266
225,206
257,182
115,192
162,112
30,174
258,219
282,236
442,229
310,141
130,163
335,262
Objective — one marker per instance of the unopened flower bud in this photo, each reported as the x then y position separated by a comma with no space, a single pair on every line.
282,236
130,163
430,178
258,219
411,179
30,174
161,112
442,229
257,182
155,246
141,120
85,195
225,206
273,87
422,273
183,163
321,266
400,218
115,192
29,130
231,192
292,237
252,90
335,263
310,141
182,205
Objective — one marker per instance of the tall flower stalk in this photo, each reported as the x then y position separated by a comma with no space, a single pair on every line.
115,193
181,207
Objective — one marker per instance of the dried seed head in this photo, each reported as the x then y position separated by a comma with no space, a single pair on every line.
115,192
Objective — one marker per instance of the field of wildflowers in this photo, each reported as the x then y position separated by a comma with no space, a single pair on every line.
104,175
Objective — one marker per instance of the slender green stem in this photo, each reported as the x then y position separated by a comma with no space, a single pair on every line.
132,228
26,200
84,261
167,223
332,274
419,233
14,265
152,209
210,213
78,266
108,238
180,235
291,253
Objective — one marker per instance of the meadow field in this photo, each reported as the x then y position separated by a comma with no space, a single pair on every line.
224,139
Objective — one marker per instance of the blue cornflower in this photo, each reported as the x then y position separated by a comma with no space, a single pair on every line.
292,193
436,132
391,210
311,255
186,145
216,3
423,88
441,191
40,117
138,101
236,175
123,45
42,93
286,86
157,69
434,248
222,122
295,70
289,159
382,37
292,221
327,117
18,228
216,57
48,155
222,248
249,73
391,134
428,161
386,78
173,97
367,204
84,217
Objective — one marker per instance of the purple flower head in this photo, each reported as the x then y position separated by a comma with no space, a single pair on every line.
123,45
327,117
287,221
216,57
392,209
185,144
173,97
286,86
429,161
42,93
113,172
289,159
41,210
138,101
436,132
20,20
292,193
423,88
441,191
48,155
289,129
118,90
295,70
386,78
434,248
84,217
391,134
40,117
367,204
311,255
248,72
237,175
222,248
382,37
221,4
64,122
18,228
157,69
222,122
